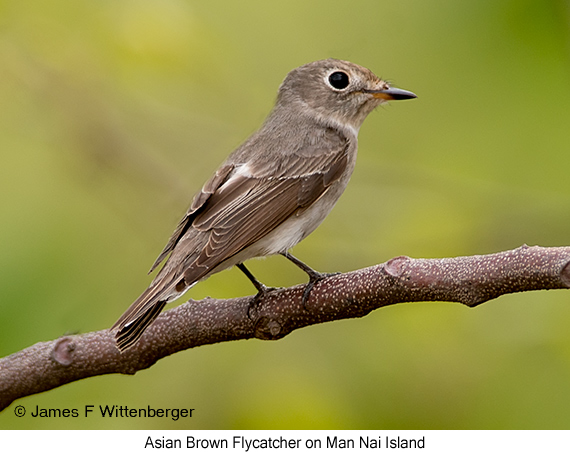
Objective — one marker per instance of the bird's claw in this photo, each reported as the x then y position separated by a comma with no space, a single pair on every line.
254,303
314,278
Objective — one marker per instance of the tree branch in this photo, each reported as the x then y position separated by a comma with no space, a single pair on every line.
468,280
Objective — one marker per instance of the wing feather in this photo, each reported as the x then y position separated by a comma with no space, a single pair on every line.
265,204
197,203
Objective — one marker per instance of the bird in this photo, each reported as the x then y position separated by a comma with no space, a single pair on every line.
272,191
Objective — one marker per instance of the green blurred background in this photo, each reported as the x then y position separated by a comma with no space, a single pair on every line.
113,113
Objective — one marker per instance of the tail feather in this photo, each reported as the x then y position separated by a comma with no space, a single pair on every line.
142,312
132,324
129,333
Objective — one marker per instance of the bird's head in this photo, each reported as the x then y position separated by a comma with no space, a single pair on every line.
337,90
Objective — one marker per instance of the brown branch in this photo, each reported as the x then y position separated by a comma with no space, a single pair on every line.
468,280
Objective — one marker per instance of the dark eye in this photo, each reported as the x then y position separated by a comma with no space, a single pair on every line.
339,80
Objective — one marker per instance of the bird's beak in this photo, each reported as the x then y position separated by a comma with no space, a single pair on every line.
391,94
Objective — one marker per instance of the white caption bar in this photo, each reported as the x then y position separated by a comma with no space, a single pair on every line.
287,440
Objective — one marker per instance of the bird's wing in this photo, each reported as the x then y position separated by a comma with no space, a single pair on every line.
219,177
247,208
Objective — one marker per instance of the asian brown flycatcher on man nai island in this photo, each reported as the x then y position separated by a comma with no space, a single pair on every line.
273,190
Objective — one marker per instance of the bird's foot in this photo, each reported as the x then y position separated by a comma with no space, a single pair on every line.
262,291
314,278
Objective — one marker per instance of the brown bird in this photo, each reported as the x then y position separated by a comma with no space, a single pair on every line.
273,190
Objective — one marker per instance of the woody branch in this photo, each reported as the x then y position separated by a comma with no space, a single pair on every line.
469,280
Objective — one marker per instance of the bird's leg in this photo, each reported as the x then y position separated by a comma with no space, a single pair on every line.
314,276
262,289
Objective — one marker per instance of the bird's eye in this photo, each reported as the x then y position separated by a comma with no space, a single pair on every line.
339,80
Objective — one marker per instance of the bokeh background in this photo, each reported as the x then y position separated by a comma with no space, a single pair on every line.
113,113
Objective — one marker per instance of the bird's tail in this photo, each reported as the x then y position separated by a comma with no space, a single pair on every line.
128,334
132,324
